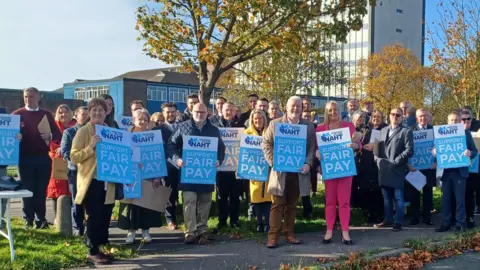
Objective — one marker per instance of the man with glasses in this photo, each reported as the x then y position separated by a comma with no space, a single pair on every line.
197,198
427,198
472,180
192,99
392,153
169,110
454,182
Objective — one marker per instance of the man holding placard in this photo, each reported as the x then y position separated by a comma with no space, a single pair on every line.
424,161
289,147
38,128
228,187
454,147
192,148
391,155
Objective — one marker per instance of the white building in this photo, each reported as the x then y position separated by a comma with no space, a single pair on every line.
389,22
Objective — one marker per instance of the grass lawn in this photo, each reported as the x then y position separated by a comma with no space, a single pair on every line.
45,249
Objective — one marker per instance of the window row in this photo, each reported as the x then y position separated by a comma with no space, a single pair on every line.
89,92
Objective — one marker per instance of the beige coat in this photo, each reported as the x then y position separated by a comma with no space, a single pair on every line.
276,181
85,158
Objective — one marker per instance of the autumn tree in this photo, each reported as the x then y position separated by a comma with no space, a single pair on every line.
213,36
438,96
455,41
387,78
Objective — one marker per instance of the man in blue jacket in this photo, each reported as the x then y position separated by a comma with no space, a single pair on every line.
197,198
78,213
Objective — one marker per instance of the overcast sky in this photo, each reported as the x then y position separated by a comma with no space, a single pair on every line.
51,42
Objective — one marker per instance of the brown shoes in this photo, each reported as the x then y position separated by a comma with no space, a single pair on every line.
100,258
272,243
190,239
291,239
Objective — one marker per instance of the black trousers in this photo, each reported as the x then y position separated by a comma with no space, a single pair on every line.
427,201
35,175
172,182
472,182
307,206
228,193
99,215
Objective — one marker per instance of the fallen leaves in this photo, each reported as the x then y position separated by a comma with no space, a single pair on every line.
236,235
284,266
253,267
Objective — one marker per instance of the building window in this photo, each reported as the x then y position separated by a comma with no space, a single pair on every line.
400,11
193,91
398,30
158,93
89,92
177,94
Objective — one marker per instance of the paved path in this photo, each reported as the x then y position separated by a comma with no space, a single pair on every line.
167,251
468,260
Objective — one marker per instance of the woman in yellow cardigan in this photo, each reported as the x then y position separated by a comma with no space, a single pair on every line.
260,199
97,197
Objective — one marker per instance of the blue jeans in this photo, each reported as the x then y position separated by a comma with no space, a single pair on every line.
262,210
78,213
390,194
453,186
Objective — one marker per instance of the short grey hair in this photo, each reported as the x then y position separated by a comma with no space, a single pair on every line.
295,98
139,112
31,89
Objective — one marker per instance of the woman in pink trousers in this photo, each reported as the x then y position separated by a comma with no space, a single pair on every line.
337,190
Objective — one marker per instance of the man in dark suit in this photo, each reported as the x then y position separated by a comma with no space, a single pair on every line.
391,156
454,181
427,198
168,110
252,102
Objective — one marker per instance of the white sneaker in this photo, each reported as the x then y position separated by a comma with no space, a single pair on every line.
146,236
130,238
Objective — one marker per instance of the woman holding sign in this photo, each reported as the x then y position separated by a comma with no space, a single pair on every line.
133,217
58,187
367,176
337,190
97,197
261,200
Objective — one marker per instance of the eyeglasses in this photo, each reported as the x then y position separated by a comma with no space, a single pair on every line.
395,115
466,119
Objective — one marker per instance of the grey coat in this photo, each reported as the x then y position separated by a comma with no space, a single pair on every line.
391,156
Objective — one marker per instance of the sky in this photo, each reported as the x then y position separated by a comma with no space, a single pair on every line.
47,43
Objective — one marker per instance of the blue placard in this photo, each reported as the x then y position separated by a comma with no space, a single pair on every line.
231,139
290,147
473,168
450,144
124,122
251,163
114,155
134,190
152,154
337,160
422,158
199,158
9,144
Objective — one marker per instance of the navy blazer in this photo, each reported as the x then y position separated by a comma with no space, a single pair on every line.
473,149
3,110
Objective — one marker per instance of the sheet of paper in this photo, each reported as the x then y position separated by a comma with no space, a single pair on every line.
417,179
44,127
153,198
375,136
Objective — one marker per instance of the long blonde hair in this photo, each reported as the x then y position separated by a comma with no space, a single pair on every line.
329,104
63,106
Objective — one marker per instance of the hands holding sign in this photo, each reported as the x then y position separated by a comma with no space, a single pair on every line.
95,139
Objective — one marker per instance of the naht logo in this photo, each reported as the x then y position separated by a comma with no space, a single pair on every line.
127,122
229,133
448,130
141,138
253,141
200,143
5,120
335,136
420,135
289,130
112,135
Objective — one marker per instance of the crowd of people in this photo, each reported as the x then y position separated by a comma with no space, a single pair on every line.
379,187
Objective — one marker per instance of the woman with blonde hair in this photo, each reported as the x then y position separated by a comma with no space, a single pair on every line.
259,198
157,119
132,217
59,187
338,190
